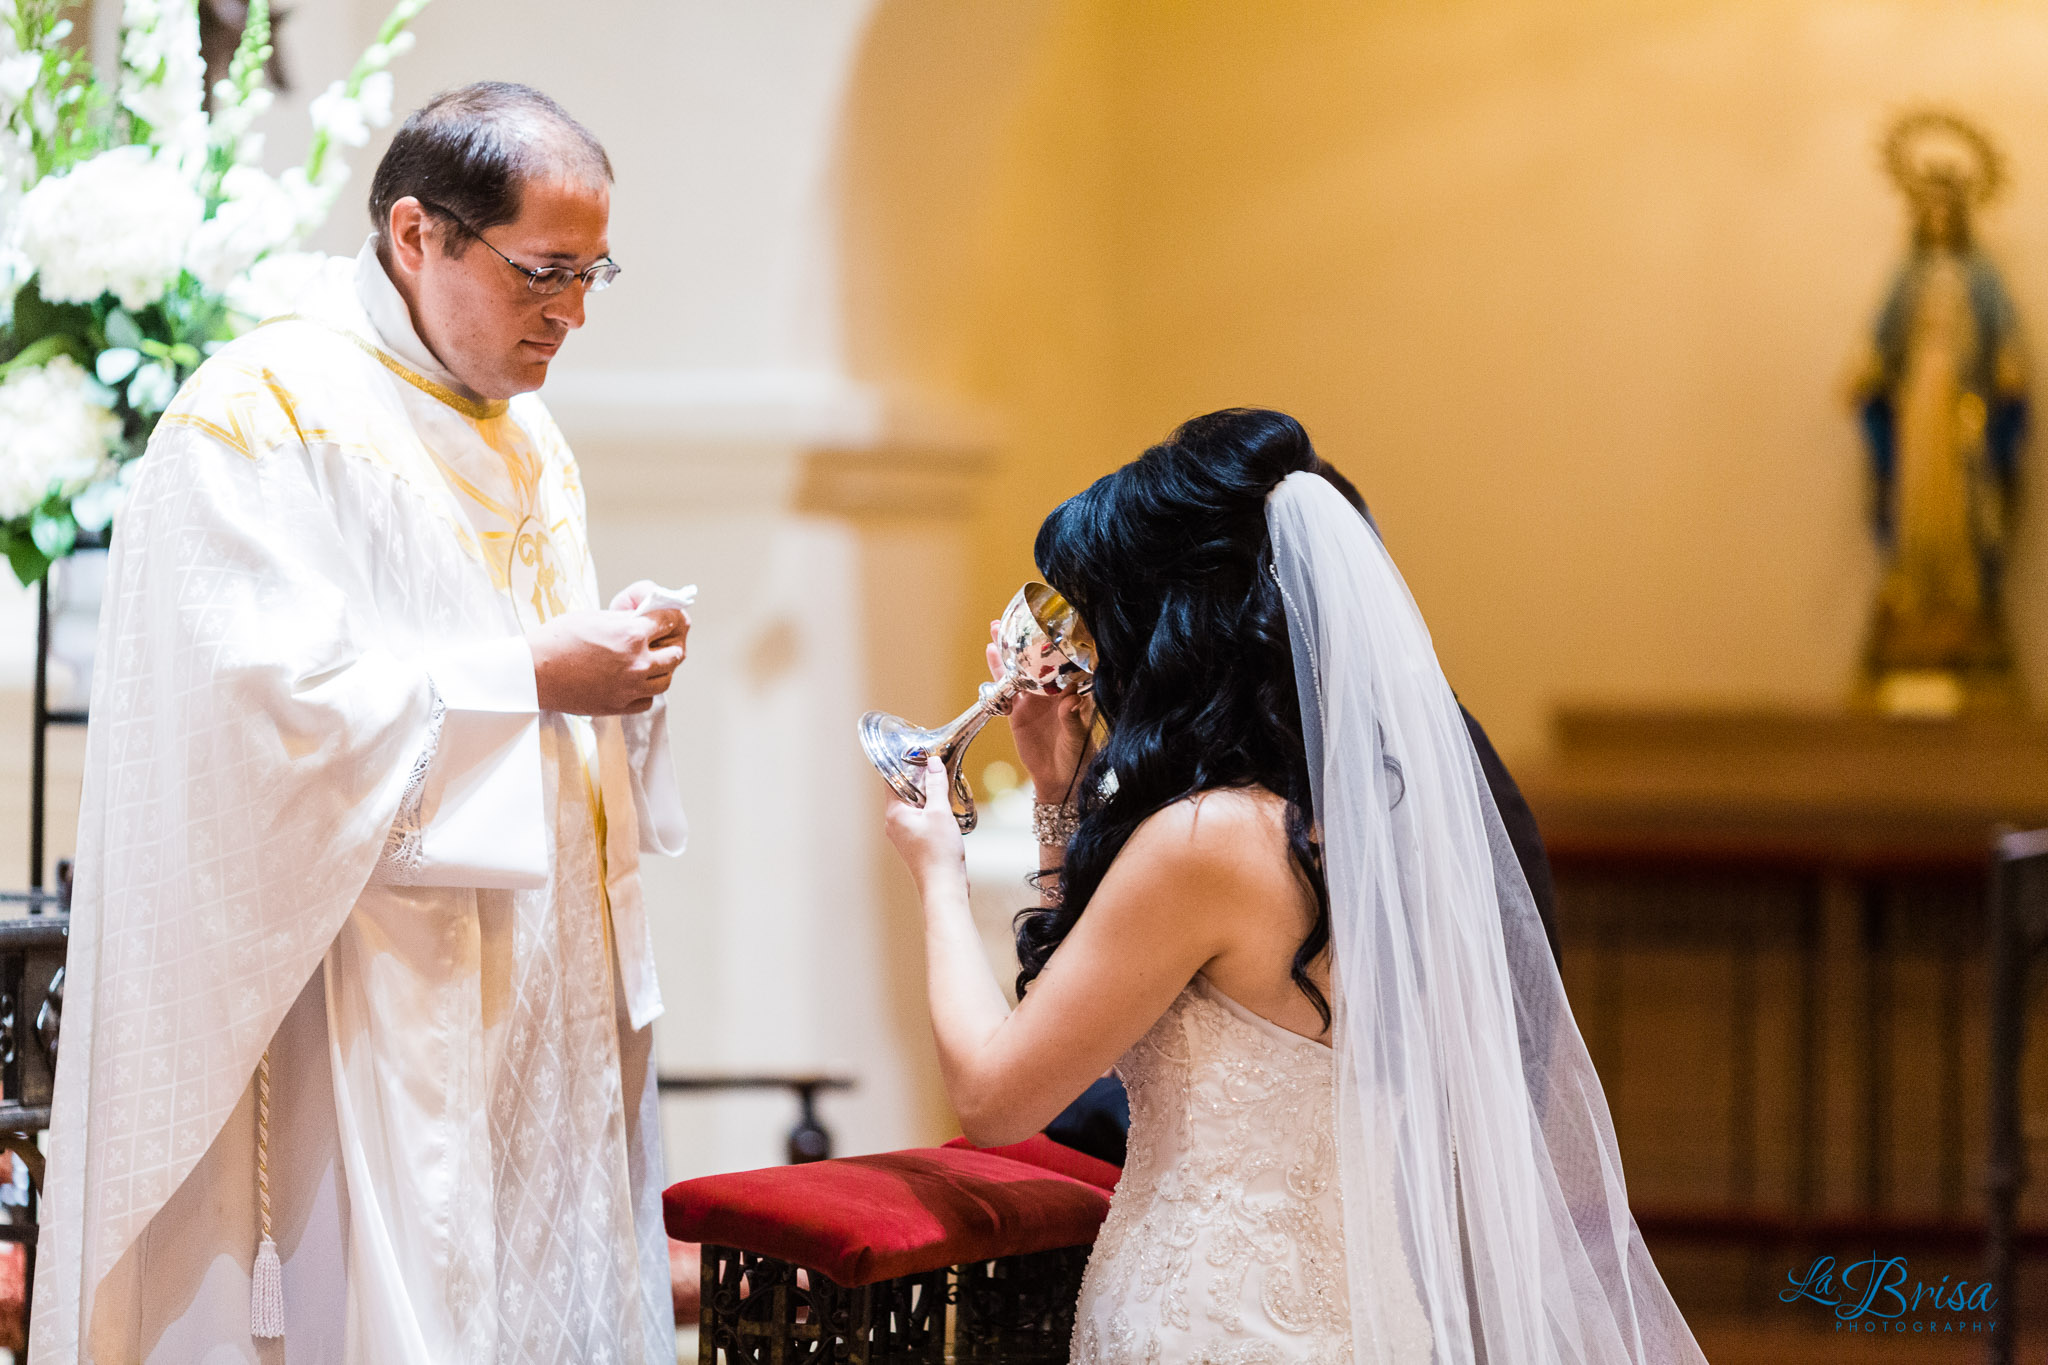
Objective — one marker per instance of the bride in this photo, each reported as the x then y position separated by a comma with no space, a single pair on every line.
1280,903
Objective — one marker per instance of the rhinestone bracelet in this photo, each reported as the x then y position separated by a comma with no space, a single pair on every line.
1054,823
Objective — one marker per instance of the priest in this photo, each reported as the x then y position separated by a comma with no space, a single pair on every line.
355,1062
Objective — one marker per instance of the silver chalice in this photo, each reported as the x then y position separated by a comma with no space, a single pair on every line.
1044,648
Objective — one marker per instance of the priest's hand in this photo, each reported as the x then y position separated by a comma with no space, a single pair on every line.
606,663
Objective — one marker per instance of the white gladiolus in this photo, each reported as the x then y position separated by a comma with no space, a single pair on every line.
256,215
118,224
314,198
233,118
55,431
17,170
375,98
18,72
339,116
163,77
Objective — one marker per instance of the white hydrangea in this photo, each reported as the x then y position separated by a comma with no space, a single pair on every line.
56,430
94,508
118,224
15,270
287,282
256,216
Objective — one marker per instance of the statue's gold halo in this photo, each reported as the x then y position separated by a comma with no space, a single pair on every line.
1932,149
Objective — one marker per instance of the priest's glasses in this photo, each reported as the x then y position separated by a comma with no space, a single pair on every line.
1043,647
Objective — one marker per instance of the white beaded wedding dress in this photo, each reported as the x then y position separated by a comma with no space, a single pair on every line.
1444,1183
1225,1242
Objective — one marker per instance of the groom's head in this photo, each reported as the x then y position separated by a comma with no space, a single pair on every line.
491,207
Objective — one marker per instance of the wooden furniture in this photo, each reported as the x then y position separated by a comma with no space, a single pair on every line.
1774,930
2017,939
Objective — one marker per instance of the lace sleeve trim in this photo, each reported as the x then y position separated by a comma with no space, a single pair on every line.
400,862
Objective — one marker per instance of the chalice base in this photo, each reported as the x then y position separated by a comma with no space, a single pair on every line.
898,751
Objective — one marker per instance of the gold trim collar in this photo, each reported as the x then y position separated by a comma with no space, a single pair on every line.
475,409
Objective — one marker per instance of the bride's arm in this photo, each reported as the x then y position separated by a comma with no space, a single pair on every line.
1168,905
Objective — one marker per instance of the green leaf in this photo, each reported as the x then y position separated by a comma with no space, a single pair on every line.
116,363
123,330
28,562
38,352
54,532
35,318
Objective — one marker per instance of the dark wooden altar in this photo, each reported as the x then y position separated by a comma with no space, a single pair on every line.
1775,942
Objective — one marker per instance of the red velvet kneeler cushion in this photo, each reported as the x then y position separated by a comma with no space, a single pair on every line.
860,1219
1040,1150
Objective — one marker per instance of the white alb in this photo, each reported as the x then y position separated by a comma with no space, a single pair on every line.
325,818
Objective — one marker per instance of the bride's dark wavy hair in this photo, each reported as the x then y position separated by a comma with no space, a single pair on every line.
1168,562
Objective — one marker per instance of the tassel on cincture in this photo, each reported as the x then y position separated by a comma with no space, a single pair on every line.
266,1277
266,1293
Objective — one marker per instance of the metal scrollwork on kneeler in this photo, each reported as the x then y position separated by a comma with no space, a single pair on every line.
31,989
31,1010
761,1311
758,1310
50,1016
1018,1309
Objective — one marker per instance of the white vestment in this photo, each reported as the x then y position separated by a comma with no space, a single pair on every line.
324,817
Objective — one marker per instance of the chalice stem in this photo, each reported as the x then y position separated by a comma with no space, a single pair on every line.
950,741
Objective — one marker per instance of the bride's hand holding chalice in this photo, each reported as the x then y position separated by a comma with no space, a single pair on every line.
1042,654
1052,729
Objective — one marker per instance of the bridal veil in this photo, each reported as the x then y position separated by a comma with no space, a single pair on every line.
1464,1090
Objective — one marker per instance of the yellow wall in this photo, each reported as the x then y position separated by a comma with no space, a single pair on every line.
1568,288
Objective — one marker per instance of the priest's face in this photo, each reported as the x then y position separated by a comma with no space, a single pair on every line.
475,311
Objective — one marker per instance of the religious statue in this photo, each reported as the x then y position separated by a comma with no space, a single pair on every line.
1942,395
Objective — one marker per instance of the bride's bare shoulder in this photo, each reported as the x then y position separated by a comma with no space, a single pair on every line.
1230,839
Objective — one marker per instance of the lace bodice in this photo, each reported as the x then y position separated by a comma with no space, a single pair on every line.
1225,1241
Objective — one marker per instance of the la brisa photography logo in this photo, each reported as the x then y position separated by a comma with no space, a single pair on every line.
1881,1294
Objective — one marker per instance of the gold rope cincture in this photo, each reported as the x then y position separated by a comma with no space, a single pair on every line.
266,1278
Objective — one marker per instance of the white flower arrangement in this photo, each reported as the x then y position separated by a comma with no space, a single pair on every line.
119,224
137,234
57,424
